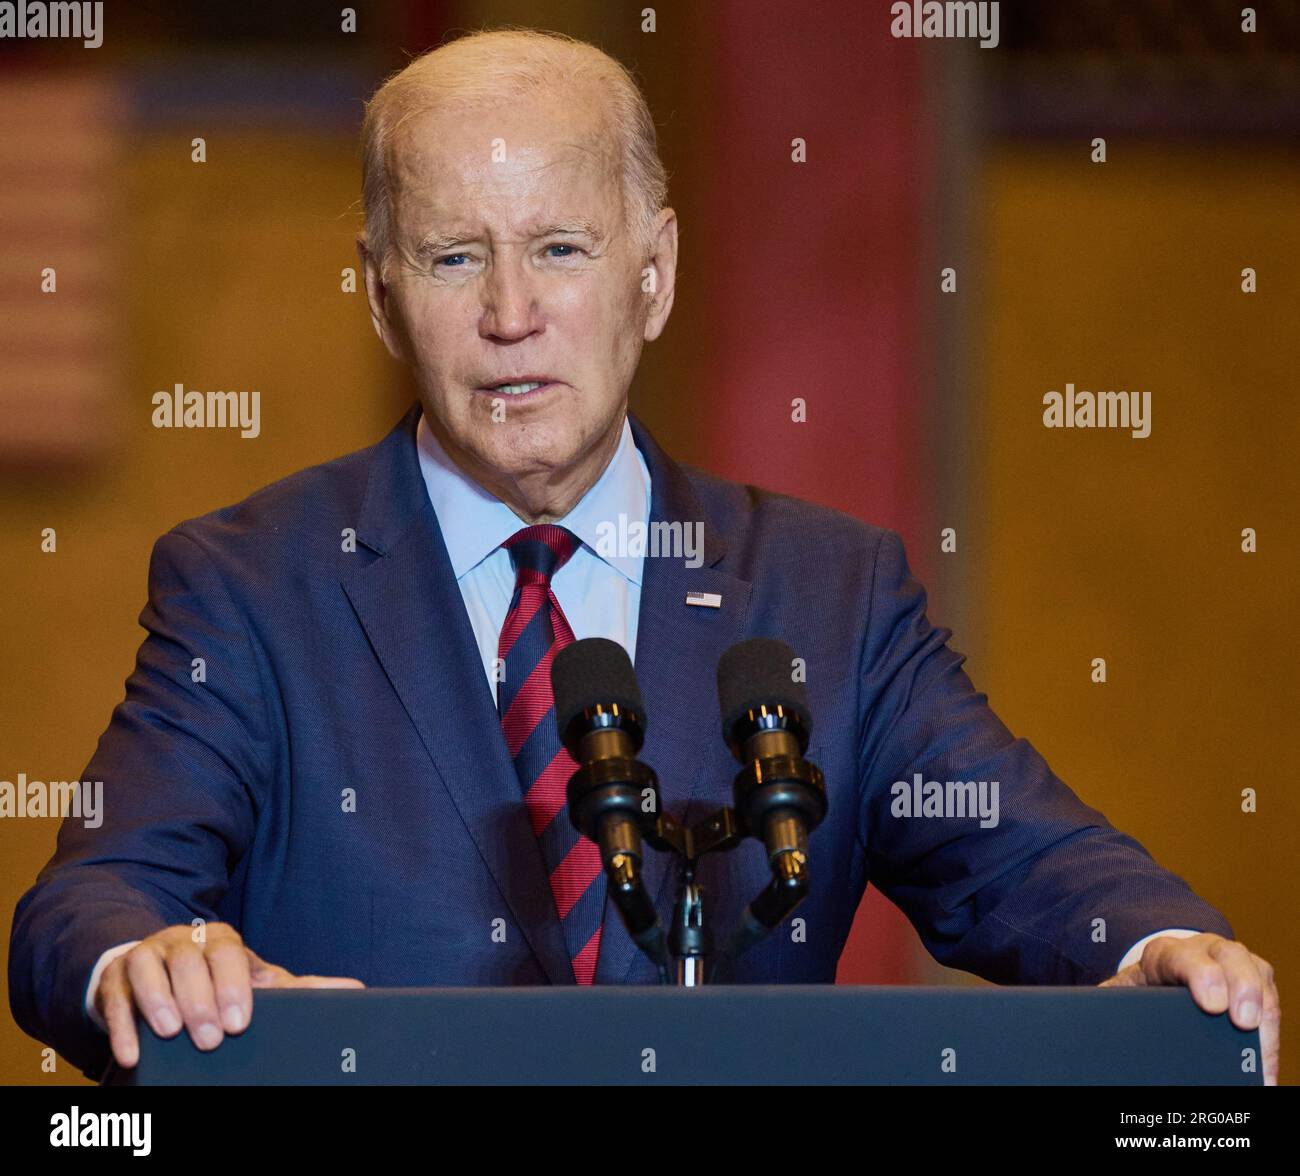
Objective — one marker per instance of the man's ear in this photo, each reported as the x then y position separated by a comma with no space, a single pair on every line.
377,296
664,263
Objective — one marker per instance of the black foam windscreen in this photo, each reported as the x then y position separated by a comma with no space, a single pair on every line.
758,672
594,672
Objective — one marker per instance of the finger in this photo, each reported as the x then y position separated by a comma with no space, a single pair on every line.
1130,977
231,981
151,988
1189,962
267,975
261,973
114,1002
1245,983
1270,1025
192,988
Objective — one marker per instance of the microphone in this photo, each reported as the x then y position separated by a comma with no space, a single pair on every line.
780,797
601,721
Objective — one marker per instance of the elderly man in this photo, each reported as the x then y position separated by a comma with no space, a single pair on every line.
367,787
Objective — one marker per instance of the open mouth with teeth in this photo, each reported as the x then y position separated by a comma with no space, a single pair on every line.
526,388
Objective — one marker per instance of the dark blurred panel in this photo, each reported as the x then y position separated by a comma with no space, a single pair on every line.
305,24
1151,67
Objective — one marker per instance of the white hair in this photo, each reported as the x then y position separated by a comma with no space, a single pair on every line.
500,65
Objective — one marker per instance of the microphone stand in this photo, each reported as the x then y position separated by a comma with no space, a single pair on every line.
690,940
769,790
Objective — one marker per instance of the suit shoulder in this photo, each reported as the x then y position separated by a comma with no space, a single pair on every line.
308,501
751,515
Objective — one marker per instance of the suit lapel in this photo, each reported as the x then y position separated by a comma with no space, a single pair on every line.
677,651
411,607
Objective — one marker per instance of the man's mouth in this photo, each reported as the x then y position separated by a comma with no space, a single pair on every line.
523,386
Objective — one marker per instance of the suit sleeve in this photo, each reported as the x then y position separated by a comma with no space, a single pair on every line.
1051,893
181,763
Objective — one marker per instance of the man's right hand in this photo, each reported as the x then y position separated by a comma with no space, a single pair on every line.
206,987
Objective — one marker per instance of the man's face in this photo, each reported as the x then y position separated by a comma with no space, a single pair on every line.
512,260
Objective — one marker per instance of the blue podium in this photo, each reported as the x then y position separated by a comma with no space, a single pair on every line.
730,1035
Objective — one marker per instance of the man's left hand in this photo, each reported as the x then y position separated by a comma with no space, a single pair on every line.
1222,975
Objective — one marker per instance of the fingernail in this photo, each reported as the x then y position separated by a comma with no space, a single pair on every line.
233,1017
168,1022
207,1036
1248,1010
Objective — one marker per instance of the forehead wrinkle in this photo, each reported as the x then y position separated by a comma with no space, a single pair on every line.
439,222
476,183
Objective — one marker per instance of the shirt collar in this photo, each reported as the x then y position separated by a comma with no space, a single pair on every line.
475,523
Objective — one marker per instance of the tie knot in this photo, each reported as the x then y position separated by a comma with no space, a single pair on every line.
540,551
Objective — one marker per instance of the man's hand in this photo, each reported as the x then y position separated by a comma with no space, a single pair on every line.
206,986
1222,974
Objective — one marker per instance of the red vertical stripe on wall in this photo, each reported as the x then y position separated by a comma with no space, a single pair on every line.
813,286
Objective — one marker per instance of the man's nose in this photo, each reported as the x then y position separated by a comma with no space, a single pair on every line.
510,299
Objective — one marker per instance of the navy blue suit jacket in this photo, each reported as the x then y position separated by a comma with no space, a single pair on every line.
330,670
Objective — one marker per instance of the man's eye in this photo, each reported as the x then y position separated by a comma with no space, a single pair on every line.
449,259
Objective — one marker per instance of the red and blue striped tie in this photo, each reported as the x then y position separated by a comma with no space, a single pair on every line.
534,631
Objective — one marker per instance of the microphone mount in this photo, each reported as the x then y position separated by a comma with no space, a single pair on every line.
613,798
779,797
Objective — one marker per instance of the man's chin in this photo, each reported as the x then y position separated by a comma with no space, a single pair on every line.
526,444
529,458
513,450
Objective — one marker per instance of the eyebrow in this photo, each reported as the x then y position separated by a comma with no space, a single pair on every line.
581,226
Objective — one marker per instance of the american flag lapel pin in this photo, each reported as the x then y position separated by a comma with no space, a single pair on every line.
704,599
